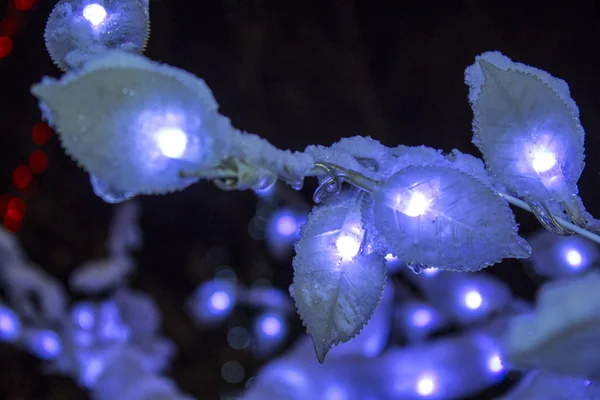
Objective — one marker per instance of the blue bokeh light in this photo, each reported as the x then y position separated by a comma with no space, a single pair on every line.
10,325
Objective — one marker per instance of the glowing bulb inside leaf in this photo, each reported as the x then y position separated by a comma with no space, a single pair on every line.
495,363
417,204
286,225
543,160
171,142
425,386
473,299
574,258
347,245
94,13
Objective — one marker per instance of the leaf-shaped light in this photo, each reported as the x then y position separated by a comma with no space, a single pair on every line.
135,124
527,127
337,284
442,217
562,335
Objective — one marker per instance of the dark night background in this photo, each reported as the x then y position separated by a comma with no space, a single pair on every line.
297,73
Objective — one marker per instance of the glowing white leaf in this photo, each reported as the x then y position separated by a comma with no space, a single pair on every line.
527,127
561,336
440,216
122,118
335,293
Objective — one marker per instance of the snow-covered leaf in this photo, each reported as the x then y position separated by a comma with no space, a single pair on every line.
135,124
438,215
527,127
562,334
337,283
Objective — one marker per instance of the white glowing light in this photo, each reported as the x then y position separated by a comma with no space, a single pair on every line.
171,142
347,245
431,271
543,160
220,301
495,363
425,386
94,13
286,225
417,204
574,258
473,299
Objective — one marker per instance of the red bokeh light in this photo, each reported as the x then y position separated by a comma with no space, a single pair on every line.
38,162
6,46
12,225
16,209
41,133
24,5
22,177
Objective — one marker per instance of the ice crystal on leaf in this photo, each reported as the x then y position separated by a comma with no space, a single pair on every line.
337,283
135,124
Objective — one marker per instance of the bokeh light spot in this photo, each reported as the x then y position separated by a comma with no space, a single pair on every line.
421,318
232,372
271,326
24,5
41,133
286,225
495,363
220,301
38,161
12,225
22,177
16,209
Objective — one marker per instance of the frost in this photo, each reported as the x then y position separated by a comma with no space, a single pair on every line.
361,154
336,284
561,336
439,216
527,127
134,124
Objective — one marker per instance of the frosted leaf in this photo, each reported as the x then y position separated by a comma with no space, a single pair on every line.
561,336
78,29
96,276
134,124
336,284
527,127
442,217
361,154
545,386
